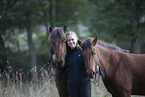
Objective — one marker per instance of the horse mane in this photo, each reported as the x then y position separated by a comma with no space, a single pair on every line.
57,33
110,46
87,43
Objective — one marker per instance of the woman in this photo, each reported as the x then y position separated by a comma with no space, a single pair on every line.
78,82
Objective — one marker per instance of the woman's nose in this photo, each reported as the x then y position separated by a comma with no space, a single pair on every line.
71,41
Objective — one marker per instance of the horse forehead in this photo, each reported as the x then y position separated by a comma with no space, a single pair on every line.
87,46
87,43
57,34
86,50
57,41
58,29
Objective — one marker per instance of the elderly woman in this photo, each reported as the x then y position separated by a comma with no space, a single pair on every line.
78,82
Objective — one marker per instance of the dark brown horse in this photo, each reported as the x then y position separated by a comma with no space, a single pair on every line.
124,72
57,39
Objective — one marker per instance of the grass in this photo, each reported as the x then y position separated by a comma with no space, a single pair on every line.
39,84
20,85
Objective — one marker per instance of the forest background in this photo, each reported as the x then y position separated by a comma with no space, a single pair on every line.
24,27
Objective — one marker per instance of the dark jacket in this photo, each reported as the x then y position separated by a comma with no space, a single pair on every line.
75,63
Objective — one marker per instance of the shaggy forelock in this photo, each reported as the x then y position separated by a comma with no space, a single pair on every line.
57,33
86,43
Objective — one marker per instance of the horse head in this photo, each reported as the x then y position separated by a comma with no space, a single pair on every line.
57,40
89,54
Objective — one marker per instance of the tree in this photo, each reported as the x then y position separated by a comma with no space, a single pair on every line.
137,11
26,14
112,18
32,54
5,7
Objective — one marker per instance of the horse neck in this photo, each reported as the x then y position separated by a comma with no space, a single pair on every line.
103,57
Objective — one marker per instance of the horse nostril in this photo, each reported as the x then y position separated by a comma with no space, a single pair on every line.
61,61
91,74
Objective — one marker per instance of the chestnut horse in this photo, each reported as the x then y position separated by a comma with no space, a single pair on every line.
57,40
124,73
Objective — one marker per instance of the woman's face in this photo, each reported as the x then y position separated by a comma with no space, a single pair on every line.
71,41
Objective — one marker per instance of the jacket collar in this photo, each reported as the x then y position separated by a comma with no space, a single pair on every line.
72,50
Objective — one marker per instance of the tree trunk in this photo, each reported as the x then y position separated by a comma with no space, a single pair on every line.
3,55
52,12
32,54
136,46
135,43
18,45
132,24
46,23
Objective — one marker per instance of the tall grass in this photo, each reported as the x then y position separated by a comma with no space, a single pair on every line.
36,84
19,84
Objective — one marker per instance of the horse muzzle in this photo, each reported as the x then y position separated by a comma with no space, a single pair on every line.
91,75
60,63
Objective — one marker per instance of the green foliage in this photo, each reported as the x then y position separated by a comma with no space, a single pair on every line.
70,12
19,60
111,20
108,18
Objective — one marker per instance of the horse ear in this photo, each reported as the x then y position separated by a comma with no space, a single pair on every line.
95,41
50,29
79,42
65,28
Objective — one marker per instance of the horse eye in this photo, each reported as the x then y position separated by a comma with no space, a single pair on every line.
64,41
93,53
